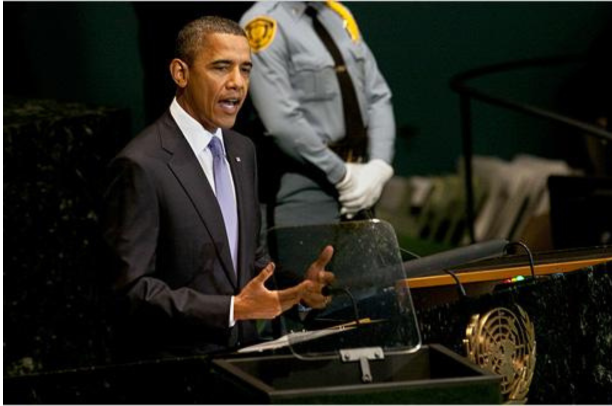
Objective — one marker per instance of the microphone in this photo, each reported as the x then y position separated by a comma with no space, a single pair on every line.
433,264
329,291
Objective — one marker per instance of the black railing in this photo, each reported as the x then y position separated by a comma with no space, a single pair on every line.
458,83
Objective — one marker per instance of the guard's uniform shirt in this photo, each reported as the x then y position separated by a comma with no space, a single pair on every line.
295,89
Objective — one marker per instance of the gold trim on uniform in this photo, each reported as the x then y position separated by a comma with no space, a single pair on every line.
350,25
261,32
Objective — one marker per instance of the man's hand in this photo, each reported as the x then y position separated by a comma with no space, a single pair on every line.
316,278
369,180
255,301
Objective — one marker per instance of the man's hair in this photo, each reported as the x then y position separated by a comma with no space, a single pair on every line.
192,36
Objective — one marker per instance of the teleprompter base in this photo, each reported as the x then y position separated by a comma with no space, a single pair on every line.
433,374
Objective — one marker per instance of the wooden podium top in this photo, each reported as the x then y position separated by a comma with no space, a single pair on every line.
508,267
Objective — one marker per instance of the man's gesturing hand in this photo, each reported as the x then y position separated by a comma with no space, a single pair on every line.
317,277
255,301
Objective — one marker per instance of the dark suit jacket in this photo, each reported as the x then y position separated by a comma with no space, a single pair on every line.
166,234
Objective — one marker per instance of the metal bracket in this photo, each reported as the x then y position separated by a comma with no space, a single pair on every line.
363,355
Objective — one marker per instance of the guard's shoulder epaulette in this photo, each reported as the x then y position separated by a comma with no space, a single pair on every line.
347,16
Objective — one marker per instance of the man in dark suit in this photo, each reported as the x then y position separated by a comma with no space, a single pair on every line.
183,233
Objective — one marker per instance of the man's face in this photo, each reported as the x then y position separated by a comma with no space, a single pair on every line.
217,81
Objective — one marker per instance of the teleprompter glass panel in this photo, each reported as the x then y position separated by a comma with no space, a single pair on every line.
370,302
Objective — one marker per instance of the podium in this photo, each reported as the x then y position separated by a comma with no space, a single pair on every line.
569,305
568,302
364,347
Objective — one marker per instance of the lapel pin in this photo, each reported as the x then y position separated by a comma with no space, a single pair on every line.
237,159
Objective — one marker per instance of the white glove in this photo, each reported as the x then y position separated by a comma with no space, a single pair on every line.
347,182
369,180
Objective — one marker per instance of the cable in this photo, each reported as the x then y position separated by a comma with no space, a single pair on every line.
435,264
462,293
526,248
410,252
328,291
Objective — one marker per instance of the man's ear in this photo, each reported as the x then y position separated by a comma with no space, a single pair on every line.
179,71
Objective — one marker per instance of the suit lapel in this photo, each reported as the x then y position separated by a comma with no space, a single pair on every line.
189,173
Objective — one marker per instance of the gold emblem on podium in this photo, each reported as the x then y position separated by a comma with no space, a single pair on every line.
504,344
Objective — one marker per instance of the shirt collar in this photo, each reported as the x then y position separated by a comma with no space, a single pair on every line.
196,135
295,8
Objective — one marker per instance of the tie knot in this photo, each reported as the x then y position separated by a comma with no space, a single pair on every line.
216,147
311,11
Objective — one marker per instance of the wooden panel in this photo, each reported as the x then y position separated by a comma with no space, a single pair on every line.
503,273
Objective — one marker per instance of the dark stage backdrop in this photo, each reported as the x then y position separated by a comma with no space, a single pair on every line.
116,53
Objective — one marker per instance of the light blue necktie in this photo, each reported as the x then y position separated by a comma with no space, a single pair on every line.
225,196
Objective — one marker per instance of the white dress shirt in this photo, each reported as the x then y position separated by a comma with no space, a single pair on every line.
199,138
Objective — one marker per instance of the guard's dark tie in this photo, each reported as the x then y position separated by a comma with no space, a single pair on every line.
225,196
355,143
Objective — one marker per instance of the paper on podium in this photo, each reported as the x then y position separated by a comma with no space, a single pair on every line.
300,337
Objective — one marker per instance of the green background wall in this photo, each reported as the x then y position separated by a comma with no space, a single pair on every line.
89,52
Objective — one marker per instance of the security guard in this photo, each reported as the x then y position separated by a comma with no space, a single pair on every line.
320,95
